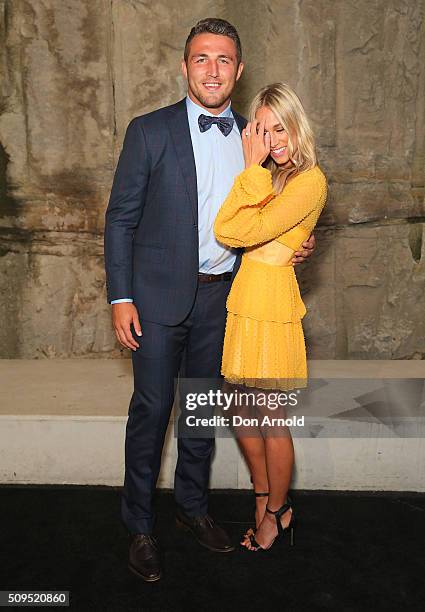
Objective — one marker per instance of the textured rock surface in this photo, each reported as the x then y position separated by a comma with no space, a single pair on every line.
74,73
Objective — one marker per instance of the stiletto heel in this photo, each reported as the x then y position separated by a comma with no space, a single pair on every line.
280,529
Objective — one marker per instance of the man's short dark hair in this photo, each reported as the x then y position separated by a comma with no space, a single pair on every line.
213,25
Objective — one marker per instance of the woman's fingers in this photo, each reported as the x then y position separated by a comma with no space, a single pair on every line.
265,136
258,131
261,127
246,146
255,142
260,140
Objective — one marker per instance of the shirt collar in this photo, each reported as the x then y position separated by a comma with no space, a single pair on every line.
194,110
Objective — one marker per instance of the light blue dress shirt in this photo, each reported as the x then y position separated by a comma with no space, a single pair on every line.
218,160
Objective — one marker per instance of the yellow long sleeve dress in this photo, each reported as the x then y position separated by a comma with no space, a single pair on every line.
264,341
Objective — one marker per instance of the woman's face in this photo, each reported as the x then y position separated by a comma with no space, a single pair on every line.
278,135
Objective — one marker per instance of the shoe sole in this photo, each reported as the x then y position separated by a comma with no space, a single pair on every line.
137,573
185,527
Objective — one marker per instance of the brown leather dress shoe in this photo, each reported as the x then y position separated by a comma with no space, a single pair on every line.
206,532
144,559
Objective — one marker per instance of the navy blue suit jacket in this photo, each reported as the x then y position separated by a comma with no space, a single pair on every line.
151,224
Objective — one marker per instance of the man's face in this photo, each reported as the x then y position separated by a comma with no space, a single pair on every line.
211,71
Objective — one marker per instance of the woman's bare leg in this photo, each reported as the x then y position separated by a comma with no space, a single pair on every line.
253,450
279,455
251,444
280,463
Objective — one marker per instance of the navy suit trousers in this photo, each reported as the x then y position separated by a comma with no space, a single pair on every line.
193,349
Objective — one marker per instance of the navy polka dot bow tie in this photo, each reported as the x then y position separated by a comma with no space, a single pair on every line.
224,124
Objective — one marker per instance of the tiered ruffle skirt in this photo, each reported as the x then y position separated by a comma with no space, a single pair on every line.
264,343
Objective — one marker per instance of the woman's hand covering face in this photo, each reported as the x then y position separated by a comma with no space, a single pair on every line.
255,143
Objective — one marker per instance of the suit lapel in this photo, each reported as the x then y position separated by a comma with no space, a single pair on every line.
240,121
179,128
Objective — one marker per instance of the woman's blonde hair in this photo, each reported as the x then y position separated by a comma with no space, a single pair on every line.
286,105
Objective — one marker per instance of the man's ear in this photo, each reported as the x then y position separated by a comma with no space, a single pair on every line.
239,72
184,69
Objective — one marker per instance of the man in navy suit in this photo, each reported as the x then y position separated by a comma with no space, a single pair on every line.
168,278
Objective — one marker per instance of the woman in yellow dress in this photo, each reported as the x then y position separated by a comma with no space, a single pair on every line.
272,208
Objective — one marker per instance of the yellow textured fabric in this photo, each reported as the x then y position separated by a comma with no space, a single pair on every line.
266,293
264,341
264,354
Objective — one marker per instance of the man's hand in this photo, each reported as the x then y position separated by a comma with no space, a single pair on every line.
123,315
307,249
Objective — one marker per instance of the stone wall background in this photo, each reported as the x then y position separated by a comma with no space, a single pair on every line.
73,74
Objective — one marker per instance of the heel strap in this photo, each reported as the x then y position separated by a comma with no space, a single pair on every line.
261,494
277,514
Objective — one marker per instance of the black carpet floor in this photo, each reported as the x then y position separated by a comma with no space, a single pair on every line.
353,551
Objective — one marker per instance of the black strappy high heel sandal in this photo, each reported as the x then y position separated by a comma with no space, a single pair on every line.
280,530
251,530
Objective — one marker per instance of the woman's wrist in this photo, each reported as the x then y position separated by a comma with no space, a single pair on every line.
251,163
257,166
257,181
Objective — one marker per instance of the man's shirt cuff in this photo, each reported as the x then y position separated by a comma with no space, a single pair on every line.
122,300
